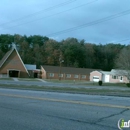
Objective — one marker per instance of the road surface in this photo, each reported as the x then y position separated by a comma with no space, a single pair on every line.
36,110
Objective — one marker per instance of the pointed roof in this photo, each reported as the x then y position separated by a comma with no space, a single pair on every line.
7,56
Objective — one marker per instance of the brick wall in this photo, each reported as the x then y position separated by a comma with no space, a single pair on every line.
14,62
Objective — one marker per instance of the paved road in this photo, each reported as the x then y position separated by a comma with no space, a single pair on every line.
36,110
50,84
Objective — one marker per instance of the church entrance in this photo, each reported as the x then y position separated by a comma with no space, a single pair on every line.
14,73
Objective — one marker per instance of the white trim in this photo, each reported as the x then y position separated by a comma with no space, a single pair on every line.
21,61
14,69
7,57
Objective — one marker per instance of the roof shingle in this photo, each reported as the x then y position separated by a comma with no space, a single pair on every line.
5,57
68,70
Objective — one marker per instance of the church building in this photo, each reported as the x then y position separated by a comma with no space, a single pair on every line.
11,65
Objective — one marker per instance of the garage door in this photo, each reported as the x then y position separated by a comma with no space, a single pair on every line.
95,78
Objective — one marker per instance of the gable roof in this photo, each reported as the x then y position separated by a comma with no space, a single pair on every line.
7,56
2,61
67,70
116,72
120,72
97,70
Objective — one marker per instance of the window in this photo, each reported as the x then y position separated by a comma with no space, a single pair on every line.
114,77
51,75
60,75
76,76
68,75
83,76
121,78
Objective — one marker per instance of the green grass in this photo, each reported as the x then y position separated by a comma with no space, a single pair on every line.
6,78
86,83
61,81
77,82
93,91
107,84
21,79
28,79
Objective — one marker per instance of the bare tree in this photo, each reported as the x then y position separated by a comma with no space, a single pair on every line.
123,62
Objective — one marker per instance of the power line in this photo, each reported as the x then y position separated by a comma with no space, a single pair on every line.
123,40
52,14
45,10
91,23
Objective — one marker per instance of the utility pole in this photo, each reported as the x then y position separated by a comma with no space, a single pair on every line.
61,61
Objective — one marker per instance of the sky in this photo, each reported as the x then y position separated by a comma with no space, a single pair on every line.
95,21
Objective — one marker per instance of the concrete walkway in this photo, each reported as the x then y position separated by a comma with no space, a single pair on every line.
42,80
15,79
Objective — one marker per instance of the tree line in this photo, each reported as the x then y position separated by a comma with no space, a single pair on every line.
41,50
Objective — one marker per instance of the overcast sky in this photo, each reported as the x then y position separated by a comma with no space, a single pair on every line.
96,21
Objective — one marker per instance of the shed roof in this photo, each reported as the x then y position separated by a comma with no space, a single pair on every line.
107,72
30,67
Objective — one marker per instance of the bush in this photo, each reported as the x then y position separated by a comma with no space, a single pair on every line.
100,83
128,84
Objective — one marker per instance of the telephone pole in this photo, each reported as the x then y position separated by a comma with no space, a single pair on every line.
61,61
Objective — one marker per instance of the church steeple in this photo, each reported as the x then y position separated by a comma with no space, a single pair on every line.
14,45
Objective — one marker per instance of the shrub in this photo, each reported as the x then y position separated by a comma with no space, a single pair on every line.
128,84
100,83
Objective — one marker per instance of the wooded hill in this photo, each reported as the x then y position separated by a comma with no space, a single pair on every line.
41,50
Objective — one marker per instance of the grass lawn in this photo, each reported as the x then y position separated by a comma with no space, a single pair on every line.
77,82
6,78
28,79
62,81
87,83
91,91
